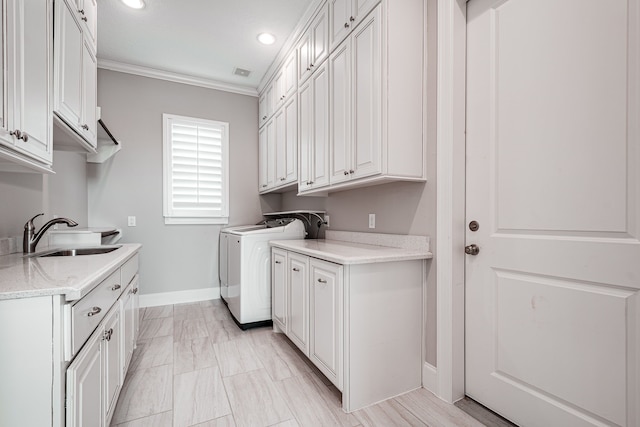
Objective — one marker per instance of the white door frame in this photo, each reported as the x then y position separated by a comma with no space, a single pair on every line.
450,197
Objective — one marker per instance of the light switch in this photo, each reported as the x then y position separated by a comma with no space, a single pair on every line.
372,220
131,221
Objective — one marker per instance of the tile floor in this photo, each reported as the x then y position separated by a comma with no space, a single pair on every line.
194,366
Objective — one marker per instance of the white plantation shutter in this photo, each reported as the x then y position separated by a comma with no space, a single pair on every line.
195,171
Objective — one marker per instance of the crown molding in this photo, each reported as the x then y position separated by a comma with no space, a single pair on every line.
153,73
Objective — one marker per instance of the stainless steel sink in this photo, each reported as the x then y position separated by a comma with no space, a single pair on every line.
80,251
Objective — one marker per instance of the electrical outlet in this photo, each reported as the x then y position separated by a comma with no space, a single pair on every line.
372,220
131,221
326,220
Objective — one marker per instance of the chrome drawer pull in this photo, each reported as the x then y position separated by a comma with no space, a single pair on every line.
107,334
296,269
322,281
135,291
115,287
278,262
94,311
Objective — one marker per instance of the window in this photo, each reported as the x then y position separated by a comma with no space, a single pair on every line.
196,170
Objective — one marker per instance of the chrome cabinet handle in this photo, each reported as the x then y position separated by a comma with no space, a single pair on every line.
94,311
351,18
264,117
17,133
351,171
85,127
296,269
322,281
108,334
135,291
346,25
283,179
84,18
308,68
25,136
264,185
346,173
81,11
115,287
278,262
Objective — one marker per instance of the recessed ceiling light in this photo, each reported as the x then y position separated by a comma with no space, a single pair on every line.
134,4
266,38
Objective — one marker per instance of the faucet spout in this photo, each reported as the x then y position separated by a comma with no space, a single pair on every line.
31,237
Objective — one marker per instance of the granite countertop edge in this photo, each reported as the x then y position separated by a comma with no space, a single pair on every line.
73,277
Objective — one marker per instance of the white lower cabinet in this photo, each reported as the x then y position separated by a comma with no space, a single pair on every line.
96,374
325,349
112,359
360,325
84,385
279,292
298,291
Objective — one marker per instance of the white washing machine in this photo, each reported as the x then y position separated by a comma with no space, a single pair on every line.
245,268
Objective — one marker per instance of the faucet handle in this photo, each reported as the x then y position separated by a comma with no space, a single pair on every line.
29,225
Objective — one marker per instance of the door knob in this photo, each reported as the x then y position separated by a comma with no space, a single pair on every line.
471,250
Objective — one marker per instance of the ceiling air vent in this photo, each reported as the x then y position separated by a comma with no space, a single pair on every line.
241,72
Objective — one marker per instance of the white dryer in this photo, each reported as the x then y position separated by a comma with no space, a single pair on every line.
245,268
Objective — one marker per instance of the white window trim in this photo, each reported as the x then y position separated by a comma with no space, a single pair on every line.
173,219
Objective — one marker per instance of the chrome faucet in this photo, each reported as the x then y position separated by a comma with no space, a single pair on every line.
31,237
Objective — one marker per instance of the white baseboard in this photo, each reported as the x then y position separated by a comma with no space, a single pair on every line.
179,297
430,378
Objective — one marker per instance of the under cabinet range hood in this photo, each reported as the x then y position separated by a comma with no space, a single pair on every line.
108,145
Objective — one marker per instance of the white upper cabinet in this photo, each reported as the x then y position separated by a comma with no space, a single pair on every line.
313,48
356,102
314,131
262,110
75,71
87,11
344,16
25,132
278,149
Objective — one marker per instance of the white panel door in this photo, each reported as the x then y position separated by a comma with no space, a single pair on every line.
291,140
279,288
305,129
340,112
367,97
552,327
320,170
298,291
325,347
111,362
340,22
320,39
84,386
89,96
263,166
68,46
280,159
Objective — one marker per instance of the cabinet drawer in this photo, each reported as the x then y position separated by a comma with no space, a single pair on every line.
129,270
87,313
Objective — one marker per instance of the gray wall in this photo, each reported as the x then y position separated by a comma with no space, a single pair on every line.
173,257
24,195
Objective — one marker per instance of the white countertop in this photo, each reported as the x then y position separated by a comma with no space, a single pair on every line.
347,253
72,276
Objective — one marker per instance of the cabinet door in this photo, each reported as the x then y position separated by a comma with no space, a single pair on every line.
278,90
304,57
305,129
341,20
287,156
279,288
320,39
270,95
127,329
281,147
266,156
340,120
262,110
290,75
68,48
325,349
88,12
367,101
84,386
262,159
320,170
298,291
111,362
28,26
89,96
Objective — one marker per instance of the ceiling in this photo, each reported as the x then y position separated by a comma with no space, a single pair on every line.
203,39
